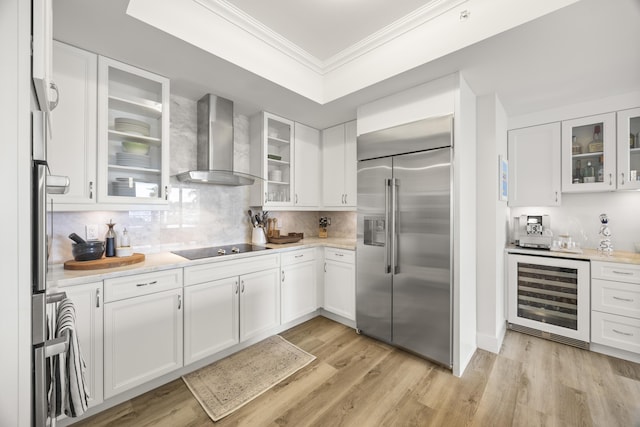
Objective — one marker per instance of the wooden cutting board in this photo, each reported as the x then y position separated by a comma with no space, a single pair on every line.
104,262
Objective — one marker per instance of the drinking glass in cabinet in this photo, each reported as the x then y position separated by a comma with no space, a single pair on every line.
587,153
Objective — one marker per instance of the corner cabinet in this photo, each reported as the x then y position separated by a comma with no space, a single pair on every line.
272,160
339,166
589,154
133,135
629,149
534,160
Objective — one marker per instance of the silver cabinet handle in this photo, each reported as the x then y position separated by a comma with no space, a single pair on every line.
283,275
166,192
53,104
610,179
623,299
556,197
325,267
345,198
622,180
147,284
338,254
242,290
91,189
265,197
179,302
624,273
236,287
97,298
627,334
299,256
296,198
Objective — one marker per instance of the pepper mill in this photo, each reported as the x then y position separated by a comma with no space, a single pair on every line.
110,241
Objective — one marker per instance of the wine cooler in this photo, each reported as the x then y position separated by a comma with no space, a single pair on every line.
549,298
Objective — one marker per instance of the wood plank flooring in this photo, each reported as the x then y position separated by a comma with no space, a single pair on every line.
357,381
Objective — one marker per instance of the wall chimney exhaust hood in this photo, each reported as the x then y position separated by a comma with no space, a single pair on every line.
215,145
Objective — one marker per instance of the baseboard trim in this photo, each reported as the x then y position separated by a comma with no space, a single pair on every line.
492,343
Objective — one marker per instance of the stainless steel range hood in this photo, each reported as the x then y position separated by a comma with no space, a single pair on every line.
215,145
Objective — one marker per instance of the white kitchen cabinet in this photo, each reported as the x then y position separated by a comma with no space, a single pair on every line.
228,302
272,159
298,284
534,165
589,154
628,149
339,166
72,149
340,282
259,302
87,300
143,329
306,166
211,318
615,305
126,174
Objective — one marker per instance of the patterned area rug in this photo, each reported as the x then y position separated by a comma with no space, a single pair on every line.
232,382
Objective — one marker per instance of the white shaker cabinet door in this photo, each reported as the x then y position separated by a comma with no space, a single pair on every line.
88,302
259,302
350,164
211,318
534,166
333,166
339,289
298,290
143,339
307,166
72,149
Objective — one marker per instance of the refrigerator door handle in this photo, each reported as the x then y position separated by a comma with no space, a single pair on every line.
394,224
387,208
40,233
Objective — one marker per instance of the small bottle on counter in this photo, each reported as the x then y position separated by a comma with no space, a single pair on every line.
110,241
124,240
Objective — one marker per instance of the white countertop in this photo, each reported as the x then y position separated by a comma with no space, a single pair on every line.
59,277
587,255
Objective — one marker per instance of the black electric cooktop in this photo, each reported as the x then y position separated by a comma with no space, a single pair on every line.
216,251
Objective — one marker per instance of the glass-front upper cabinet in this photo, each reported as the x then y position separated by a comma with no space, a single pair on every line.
133,134
272,159
629,149
589,154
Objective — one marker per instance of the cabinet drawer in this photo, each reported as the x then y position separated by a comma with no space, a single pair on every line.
615,331
222,269
339,255
615,271
295,257
615,297
141,284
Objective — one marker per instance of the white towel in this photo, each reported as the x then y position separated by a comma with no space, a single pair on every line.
69,368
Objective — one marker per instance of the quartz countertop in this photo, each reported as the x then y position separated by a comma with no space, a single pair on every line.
587,255
57,276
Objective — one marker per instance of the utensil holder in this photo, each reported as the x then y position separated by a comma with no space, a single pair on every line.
258,237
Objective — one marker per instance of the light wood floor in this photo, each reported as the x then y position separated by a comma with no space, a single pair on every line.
357,381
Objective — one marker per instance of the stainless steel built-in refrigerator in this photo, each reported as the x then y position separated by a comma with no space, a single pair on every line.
404,248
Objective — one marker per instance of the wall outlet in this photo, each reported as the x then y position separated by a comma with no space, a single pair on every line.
92,231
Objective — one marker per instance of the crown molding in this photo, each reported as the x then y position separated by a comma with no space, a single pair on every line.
257,29
247,23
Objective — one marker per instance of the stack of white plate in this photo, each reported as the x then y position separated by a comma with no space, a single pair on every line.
133,160
125,124
124,187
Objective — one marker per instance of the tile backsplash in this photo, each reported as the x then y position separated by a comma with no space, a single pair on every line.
198,214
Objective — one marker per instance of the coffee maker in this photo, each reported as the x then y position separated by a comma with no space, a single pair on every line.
533,231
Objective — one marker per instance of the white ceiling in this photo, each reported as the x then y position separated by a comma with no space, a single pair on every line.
581,52
324,28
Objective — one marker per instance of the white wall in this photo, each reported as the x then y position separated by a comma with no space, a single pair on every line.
492,223
464,246
15,336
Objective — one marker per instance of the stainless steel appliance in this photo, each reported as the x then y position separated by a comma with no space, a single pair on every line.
215,251
550,298
41,184
533,231
404,241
